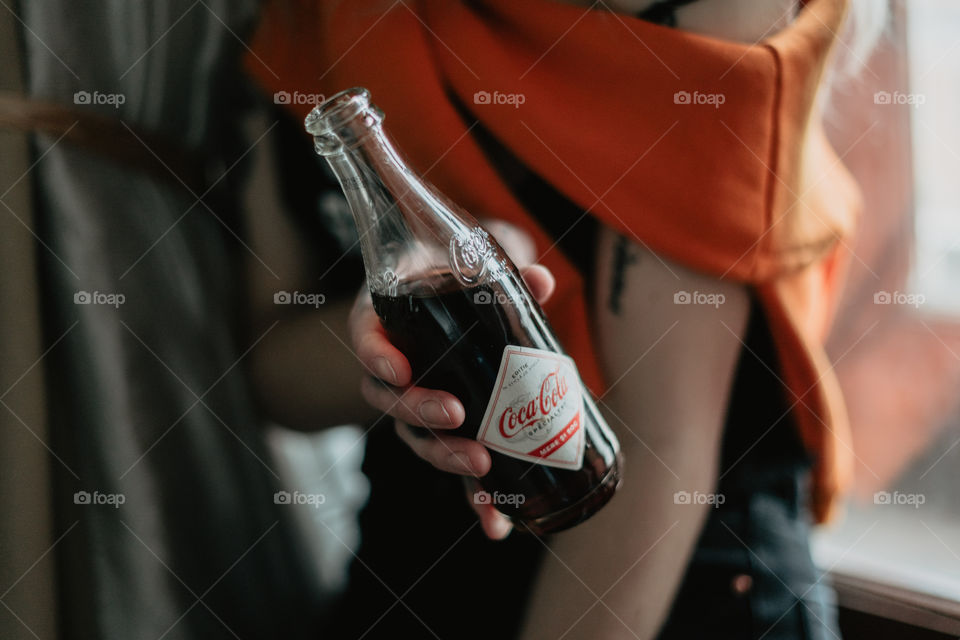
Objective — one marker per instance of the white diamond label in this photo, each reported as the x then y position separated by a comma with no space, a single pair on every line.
536,410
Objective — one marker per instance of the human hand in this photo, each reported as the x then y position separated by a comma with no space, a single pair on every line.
422,416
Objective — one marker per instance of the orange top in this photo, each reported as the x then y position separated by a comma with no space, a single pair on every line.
617,116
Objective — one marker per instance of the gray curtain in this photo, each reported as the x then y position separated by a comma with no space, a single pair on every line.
163,485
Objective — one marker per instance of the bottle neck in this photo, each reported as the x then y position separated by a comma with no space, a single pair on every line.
404,225
409,232
373,161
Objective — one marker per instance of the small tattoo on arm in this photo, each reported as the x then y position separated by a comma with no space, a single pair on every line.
622,258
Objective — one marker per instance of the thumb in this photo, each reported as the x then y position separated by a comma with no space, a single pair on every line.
540,281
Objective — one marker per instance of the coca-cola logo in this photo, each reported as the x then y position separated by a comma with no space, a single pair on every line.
516,418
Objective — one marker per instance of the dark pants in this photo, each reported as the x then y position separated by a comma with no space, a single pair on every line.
752,577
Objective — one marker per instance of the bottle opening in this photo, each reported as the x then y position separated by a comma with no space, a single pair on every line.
336,123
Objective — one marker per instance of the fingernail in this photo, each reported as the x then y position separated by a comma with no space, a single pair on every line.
385,370
501,528
462,462
434,412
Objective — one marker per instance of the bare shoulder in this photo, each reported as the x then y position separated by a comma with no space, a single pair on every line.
743,20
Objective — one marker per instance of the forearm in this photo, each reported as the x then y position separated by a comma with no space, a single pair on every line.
304,374
670,367
616,575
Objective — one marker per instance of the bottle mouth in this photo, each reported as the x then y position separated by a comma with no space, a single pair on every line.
334,122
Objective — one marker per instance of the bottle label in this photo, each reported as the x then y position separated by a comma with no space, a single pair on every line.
536,410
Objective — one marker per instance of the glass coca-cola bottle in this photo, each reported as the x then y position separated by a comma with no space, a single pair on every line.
452,301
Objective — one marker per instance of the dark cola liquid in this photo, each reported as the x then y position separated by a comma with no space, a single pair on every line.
454,338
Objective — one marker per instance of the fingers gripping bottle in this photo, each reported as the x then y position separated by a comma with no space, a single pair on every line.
456,306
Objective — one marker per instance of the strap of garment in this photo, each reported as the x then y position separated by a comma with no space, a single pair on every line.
107,137
663,12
